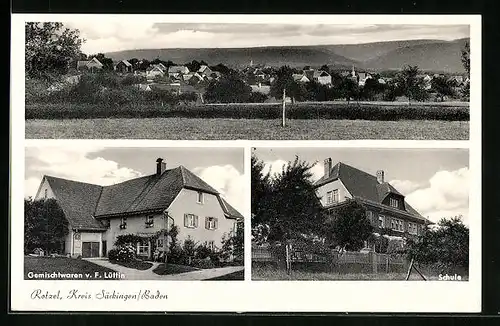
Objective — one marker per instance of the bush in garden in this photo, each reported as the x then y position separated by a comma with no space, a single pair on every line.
203,251
124,254
113,254
203,263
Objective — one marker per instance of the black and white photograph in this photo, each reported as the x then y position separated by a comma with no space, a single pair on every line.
360,214
96,213
143,79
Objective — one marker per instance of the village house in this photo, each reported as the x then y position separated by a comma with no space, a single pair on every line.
386,208
177,71
154,71
144,206
124,67
91,65
192,78
322,77
205,71
300,78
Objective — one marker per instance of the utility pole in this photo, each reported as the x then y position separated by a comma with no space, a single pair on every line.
284,108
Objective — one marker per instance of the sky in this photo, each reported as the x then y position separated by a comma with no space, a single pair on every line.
107,36
222,168
434,181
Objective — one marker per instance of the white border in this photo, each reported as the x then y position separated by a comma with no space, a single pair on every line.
300,296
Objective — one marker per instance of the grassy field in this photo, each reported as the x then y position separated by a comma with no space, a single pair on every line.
220,129
274,274
61,265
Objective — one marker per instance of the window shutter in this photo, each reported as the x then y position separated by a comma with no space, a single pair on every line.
206,223
195,221
216,222
185,220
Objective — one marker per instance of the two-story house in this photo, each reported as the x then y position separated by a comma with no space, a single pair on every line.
97,215
386,208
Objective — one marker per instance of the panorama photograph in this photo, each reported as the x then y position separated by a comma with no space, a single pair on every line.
97,213
360,214
155,80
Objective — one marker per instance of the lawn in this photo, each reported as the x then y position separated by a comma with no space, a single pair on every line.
38,265
258,129
169,269
137,264
236,276
274,274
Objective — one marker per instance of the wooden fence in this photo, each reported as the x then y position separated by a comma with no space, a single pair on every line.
334,261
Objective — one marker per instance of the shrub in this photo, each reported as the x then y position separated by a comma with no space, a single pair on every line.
203,251
126,253
113,254
203,263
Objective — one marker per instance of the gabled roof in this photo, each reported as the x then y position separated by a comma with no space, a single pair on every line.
362,185
320,73
78,201
203,68
81,202
176,69
126,63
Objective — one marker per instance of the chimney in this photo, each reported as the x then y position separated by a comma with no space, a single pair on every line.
160,166
380,176
328,166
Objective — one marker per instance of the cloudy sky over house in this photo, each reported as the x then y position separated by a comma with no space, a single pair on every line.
222,168
434,181
108,36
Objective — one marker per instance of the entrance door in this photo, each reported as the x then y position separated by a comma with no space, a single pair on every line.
90,249
104,248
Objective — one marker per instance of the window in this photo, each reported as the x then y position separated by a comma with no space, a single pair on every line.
381,221
149,221
332,197
369,216
211,223
397,225
329,197
143,248
106,223
393,202
412,228
190,221
336,196
211,245
200,197
159,243
123,223
45,193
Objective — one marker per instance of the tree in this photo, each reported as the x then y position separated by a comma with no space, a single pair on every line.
193,65
442,86
325,68
410,84
465,56
45,225
446,245
284,80
348,226
229,89
349,89
50,47
291,207
372,89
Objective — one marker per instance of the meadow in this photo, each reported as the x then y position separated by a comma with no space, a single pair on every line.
175,128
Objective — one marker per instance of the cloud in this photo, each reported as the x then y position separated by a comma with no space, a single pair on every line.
118,34
228,181
446,195
405,186
72,163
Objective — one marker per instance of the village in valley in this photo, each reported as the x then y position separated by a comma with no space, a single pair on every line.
261,83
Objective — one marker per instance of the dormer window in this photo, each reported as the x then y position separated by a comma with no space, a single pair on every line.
200,197
332,197
393,202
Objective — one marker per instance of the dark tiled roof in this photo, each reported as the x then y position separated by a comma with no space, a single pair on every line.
78,201
82,201
362,185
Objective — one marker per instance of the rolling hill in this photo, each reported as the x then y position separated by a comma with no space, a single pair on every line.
430,55
295,56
